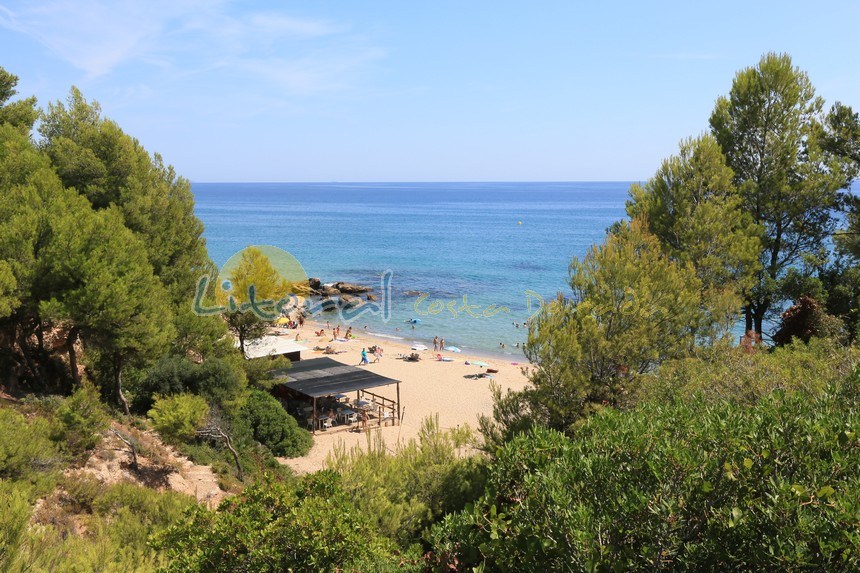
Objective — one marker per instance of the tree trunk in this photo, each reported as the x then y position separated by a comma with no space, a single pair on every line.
40,338
117,379
758,318
28,359
748,319
230,447
71,338
132,450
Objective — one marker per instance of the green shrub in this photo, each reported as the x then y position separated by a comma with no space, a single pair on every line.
118,522
81,490
724,373
274,428
26,451
273,526
693,484
81,419
217,379
406,491
13,520
178,417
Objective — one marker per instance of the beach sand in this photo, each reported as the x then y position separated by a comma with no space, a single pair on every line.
427,388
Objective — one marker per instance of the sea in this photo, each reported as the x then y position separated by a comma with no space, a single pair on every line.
467,262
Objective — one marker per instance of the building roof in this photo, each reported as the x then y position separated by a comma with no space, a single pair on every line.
271,346
325,377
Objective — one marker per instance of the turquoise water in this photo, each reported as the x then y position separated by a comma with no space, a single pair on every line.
503,246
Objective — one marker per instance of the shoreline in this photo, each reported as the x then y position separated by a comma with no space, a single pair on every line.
512,354
449,390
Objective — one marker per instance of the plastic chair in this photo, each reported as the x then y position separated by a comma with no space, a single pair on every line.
326,423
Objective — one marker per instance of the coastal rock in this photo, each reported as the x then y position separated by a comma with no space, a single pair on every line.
314,283
350,300
328,290
413,292
328,304
370,296
351,288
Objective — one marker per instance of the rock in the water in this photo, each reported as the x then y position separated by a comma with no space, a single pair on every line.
328,304
350,300
314,283
328,290
413,292
351,288
370,296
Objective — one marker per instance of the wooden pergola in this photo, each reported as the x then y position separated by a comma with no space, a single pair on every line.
321,377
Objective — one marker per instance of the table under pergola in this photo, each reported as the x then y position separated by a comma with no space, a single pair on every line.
322,377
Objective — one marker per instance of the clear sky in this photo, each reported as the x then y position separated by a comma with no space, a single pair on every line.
460,90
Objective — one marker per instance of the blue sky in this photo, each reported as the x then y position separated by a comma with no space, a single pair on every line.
416,91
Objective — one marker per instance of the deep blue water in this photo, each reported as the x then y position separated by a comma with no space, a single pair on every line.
490,242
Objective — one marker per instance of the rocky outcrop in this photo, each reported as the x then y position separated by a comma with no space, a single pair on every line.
349,300
328,290
370,296
314,284
351,288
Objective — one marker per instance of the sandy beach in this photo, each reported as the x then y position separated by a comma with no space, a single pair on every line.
428,387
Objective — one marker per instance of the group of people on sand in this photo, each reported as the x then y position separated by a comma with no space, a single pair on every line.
335,333
438,344
377,355
293,323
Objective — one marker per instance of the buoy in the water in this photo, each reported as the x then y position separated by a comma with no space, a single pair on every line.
519,222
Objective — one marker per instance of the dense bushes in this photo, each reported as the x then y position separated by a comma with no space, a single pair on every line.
217,379
406,491
274,428
13,520
81,419
696,485
178,417
723,373
108,531
273,527
27,453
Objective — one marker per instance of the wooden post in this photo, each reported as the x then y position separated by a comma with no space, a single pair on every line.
314,419
398,403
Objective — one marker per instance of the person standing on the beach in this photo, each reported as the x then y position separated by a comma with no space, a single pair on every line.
363,356
435,344
377,354
442,344
301,321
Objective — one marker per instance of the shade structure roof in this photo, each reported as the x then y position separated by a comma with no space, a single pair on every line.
271,346
324,377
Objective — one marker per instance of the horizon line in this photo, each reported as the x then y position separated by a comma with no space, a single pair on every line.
427,181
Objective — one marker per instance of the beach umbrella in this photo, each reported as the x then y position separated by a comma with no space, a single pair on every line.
282,320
